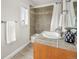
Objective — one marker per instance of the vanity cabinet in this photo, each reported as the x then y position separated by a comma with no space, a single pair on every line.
47,52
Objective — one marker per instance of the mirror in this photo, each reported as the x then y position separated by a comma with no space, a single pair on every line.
75,8
75,11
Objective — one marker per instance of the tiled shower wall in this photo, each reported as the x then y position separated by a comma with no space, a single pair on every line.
40,19
32,22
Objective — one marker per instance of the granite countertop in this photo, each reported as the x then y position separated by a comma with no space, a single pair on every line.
55,43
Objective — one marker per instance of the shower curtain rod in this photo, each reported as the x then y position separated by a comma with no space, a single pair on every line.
6,21
46,5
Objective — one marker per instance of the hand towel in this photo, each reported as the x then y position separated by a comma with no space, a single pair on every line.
10,32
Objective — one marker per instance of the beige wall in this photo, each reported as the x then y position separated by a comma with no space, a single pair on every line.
41,18
10,10
32,22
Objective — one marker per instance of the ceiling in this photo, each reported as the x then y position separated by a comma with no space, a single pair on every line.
41,2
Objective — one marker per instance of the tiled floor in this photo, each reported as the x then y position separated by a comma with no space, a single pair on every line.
26,53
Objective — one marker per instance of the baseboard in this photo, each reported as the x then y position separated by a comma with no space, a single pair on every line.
16,51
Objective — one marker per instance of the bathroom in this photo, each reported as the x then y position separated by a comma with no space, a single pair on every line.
40,28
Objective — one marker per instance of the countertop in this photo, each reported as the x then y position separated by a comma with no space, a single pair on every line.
58,43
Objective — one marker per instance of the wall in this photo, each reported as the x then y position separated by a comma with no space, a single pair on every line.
41,19
32,21
10,10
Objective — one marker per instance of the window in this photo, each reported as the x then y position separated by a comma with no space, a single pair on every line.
24,15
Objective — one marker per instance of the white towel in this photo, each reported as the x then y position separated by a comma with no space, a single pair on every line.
10,32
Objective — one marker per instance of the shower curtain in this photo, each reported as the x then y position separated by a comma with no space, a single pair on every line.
55,17
64,19
69,19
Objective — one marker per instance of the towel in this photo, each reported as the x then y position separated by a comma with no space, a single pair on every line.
10,32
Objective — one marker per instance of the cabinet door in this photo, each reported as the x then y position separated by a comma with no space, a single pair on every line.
46,52
66,54
40,51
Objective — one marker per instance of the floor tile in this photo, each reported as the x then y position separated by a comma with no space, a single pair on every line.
26,53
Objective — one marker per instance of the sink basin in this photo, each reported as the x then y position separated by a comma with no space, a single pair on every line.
50,35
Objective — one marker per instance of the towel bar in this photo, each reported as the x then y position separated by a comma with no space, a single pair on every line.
6,21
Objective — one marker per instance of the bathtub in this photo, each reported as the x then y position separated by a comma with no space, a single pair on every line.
51,35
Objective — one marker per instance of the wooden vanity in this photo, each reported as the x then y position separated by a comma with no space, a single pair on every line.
46,52
49,49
